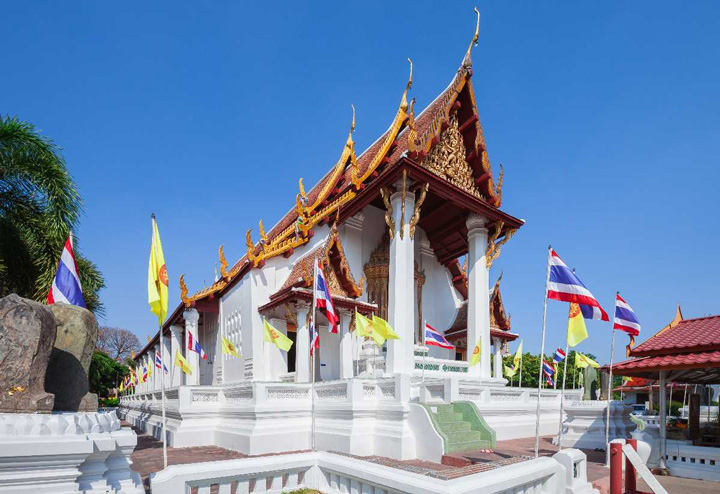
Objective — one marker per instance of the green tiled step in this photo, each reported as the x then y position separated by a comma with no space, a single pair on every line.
461,426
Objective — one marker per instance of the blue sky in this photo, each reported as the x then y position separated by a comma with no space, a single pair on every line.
606,117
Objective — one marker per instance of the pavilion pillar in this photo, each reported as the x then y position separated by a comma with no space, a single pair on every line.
497,347
694,417
663,418
302,344
176,345
478,319
346,346
191,317
401,290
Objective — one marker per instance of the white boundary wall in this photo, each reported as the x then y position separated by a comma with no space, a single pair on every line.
337,474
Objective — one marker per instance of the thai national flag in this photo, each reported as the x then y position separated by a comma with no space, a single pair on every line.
66,285
433,337
194,346
323,299
559,355
159,364
563,285
548,371
625,319
314,339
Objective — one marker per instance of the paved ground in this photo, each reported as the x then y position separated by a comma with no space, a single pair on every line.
147,459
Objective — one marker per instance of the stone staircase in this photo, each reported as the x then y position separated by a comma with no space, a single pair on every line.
461,426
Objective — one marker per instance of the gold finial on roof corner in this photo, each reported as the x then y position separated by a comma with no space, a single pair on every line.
250,247
467,61
223,262
184,291
352,126
262,232
302,189
403,101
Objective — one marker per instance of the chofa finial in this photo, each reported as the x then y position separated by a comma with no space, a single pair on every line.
404,102
467,61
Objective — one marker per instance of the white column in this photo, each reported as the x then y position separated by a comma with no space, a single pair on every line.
478,321
346,346
302,344
167,360
191,325
401,293
156,373
498,371
176,345
663,417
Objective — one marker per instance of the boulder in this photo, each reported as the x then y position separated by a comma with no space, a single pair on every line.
67,375
27,334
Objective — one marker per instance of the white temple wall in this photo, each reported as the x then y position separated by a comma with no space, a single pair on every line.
374,228
231,306
439,297
208,341
276,358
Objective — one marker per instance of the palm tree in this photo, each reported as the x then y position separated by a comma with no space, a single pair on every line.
39,206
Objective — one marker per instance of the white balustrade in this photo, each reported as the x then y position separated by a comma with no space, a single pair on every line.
335,474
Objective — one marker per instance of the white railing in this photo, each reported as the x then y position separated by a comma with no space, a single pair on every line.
695,462
335,474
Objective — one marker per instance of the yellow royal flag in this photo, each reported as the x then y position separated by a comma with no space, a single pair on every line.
181,362
364,327
509,371
122,386
576,326
157,277
475,359
272,335
582,361
383,327
229,348
518,356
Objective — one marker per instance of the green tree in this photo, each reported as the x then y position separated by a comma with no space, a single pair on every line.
105,373
39,207
531,369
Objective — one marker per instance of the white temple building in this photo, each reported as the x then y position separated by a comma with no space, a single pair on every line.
407,230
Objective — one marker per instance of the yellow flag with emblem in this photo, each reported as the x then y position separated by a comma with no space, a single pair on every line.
272,335
518,356
509,371
582,361
229,348
157,277
577,331
184,365
383,327
475,359
365,328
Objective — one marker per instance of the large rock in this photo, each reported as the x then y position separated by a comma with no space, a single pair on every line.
27,334
67,375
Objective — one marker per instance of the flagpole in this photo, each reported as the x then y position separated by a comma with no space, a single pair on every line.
609,391
542,354
562,395
357,347
424,350
312,361
162,391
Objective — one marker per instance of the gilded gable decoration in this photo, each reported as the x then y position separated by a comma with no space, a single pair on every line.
416,213
389,220
447,160
497,239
